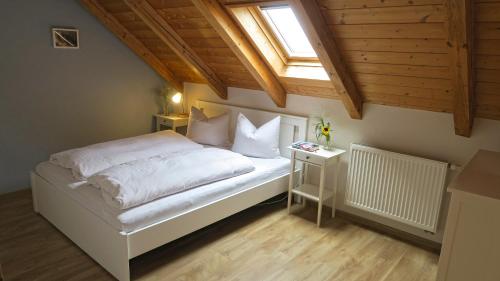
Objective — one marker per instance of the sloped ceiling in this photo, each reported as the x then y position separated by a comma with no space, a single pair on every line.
192,27
397,51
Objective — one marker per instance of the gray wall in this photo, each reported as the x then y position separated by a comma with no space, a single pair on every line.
55,99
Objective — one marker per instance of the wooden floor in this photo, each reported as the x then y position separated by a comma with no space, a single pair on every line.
262,243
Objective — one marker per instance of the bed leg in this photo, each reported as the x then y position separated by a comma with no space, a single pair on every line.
33,192
124,274
118,266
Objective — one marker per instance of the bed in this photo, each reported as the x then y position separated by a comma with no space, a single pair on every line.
112,237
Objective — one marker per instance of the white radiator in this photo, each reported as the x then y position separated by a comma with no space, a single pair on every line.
401,187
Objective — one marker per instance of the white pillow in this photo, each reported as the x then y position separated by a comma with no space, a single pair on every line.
262,142
211,131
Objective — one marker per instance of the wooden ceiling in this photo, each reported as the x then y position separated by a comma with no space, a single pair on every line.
437,55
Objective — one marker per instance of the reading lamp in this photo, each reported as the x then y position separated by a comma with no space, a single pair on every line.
177,98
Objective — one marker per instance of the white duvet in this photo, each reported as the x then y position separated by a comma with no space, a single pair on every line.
138,182
86,161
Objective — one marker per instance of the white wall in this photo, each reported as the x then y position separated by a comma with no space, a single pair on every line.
416,132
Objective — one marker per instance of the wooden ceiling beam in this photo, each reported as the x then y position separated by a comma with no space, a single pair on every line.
323,42
168,35
459,30
132,42
229,31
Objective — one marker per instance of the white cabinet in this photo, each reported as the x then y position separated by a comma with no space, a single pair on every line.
471,245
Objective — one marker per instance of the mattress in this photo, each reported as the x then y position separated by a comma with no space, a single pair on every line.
135,218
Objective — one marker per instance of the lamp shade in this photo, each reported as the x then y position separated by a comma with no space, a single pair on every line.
177,98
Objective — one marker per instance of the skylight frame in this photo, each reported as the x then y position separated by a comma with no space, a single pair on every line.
278,39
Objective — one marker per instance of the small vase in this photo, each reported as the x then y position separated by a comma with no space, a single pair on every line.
326,145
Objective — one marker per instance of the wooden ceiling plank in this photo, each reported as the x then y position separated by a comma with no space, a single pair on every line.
222,22
132,42
252,3
459,29
168,35
309,14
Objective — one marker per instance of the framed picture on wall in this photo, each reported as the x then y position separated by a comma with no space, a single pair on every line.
65,38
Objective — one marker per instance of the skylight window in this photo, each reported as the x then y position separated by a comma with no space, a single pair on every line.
287,29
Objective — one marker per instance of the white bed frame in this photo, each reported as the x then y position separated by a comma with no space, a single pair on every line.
113,249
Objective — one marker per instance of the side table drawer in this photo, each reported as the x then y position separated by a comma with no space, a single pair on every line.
313,159
181,123
166,122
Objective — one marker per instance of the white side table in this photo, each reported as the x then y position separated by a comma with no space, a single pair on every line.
170,121
322,159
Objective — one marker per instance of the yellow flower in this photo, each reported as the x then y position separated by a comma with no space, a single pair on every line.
325,131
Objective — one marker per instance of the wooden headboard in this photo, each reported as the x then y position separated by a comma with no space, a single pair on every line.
293,128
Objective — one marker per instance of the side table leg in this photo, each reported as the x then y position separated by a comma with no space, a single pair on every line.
335,185
158,125
321,188
305,179
291,181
